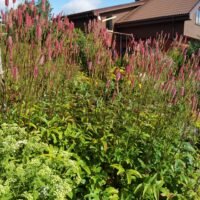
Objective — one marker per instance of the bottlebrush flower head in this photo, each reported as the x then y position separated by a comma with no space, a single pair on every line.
108,84
43,5
90,65
182,91
71,26
174,92
35,72
42,60
10,42
19,17
66,22
194,103
50,53
28,20
10,22
39,32
128,69
118,76
7,3
15,72
3,15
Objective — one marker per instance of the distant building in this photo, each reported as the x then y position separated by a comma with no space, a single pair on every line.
169,16
114,12
146,18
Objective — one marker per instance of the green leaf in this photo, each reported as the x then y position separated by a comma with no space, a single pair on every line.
120,169
156,192
70,195
146,188
188,147
32,125
44,120
111,190
54,138
85,167
131,174
138,188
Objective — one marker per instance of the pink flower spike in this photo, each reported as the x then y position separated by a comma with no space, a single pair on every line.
90,65
10,42
174,91
3,15
128,69
182,91
108,84
118,76
20,17
35,72
71,26
28,20
194,103
41,62
39,32
43,5
14,1
7,3
15,72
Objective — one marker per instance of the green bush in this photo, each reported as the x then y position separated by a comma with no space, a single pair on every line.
84,146
33,169
194,47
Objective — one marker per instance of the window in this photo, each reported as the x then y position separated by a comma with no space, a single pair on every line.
109,22
198,17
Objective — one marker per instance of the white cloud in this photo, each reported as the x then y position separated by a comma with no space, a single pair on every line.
3,7
74,6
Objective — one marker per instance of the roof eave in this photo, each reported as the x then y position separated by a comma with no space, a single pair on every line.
96,12
118,9
81,15
180,17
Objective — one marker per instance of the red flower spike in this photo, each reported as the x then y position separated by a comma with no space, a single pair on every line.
7,3
39,32
35,72
43,5
15,72
182,91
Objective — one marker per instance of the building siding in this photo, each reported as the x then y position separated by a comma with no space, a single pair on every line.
151,30
118,14
191,29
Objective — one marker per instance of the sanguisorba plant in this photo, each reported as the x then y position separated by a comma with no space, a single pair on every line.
39,55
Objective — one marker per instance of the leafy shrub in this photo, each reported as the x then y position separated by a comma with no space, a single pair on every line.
32,169
194,48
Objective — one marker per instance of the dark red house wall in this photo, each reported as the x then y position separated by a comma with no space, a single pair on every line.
82,23
144,31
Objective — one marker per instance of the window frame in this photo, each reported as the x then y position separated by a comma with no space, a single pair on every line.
109,23
197,17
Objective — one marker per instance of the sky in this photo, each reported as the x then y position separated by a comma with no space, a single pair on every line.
73,6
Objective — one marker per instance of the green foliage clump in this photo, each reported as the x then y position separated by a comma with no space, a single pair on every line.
178,58
194,47
85,146
33,169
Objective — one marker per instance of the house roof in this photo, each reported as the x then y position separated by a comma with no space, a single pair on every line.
109,9
119,7
154,9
